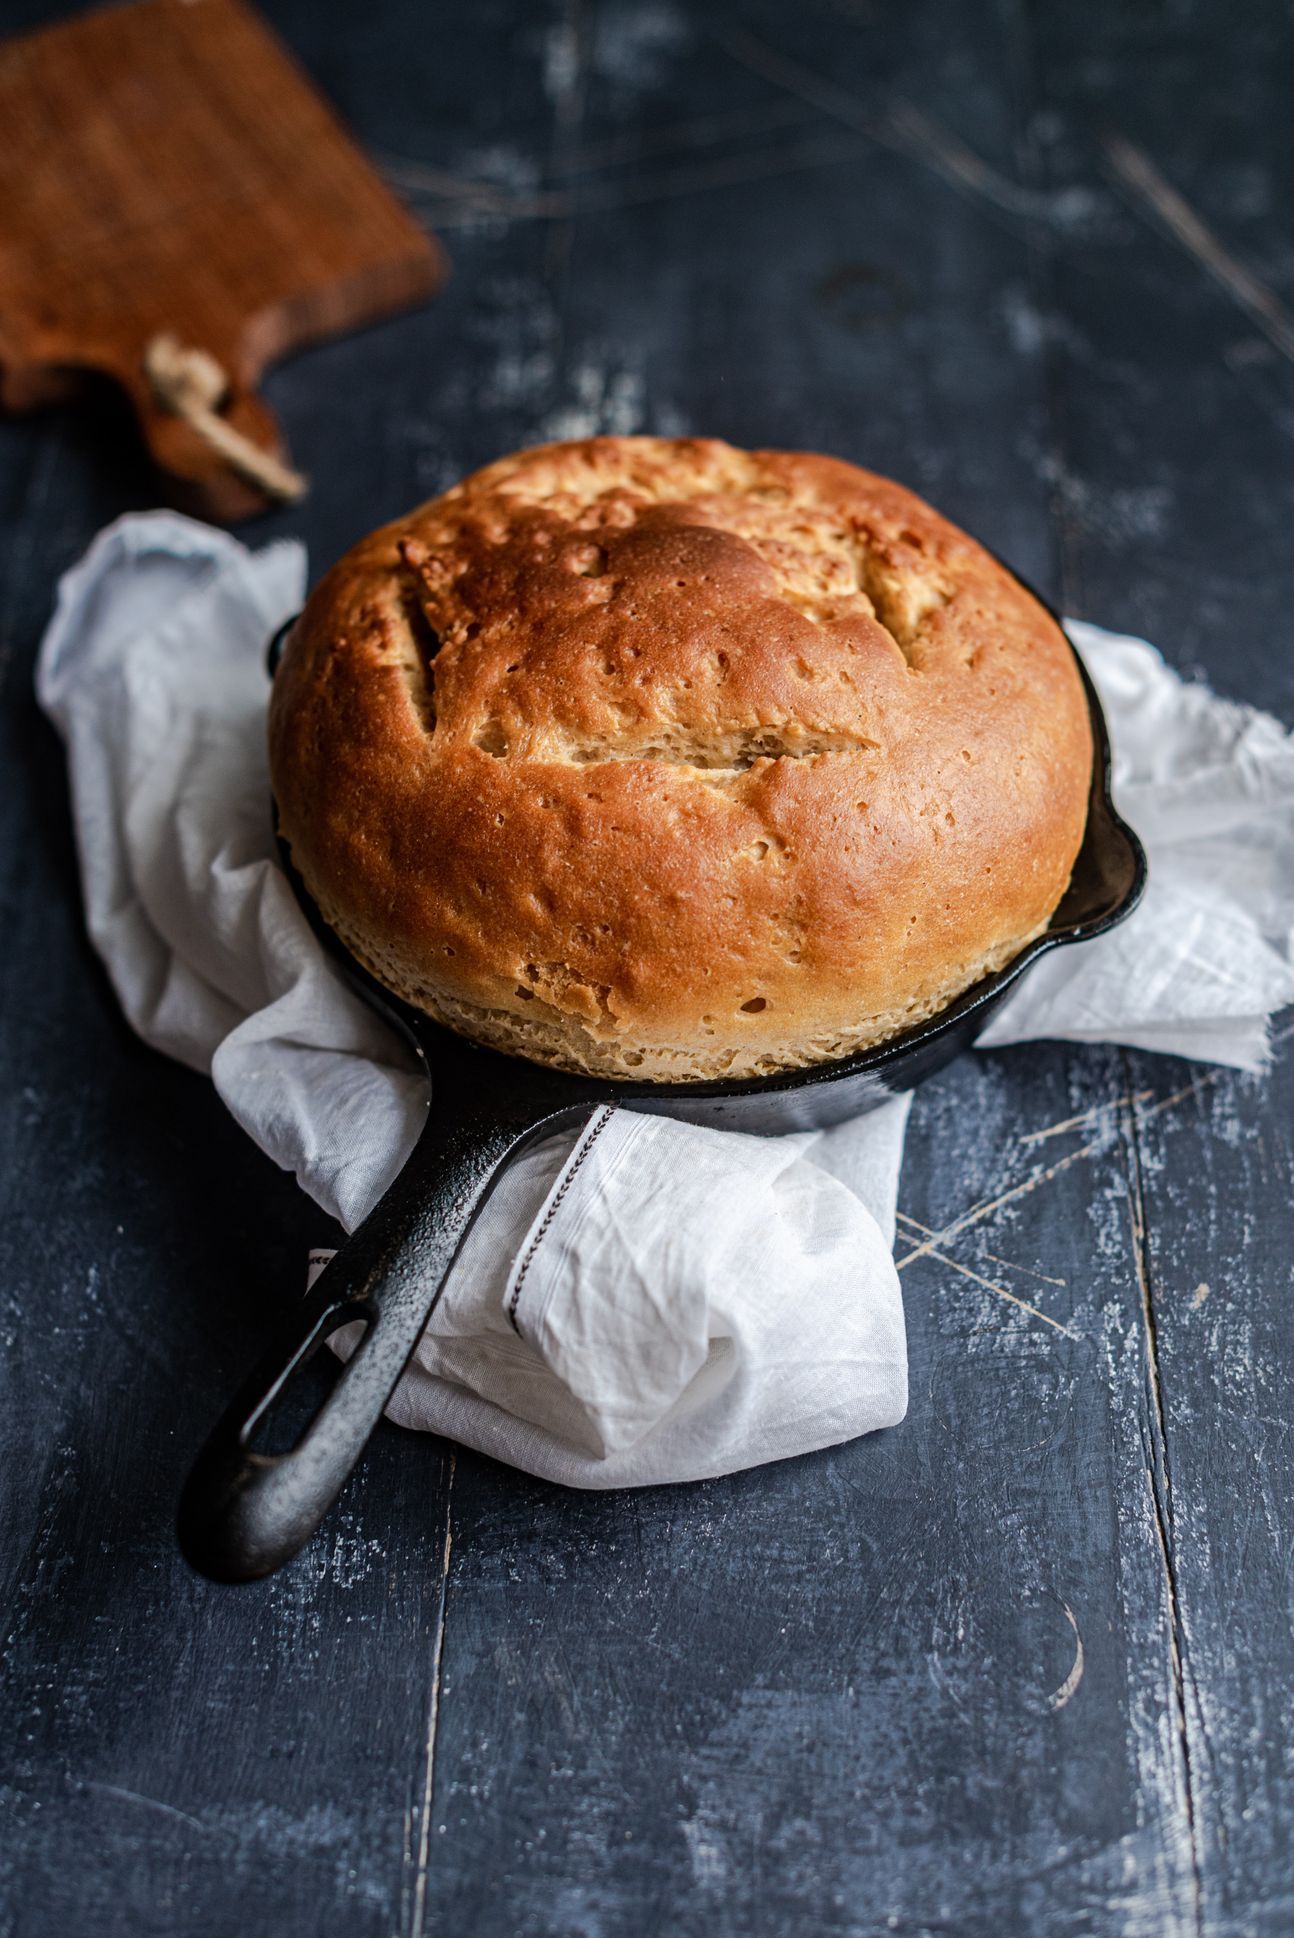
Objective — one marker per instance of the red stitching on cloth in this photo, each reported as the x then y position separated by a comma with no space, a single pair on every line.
590,1139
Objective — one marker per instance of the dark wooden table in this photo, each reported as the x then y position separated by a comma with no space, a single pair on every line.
1023,1665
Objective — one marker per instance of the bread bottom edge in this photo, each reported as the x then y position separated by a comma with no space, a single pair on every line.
561,1041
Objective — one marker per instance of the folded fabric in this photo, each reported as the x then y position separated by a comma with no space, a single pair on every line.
650,1301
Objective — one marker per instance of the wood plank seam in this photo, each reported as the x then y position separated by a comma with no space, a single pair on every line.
1159,1475
565,139
418,1901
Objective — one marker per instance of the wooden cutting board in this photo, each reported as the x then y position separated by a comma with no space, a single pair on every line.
167,173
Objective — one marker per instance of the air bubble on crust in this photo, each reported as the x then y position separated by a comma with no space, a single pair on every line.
587,561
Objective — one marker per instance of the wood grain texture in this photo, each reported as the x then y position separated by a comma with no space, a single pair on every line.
166,170
1021,1665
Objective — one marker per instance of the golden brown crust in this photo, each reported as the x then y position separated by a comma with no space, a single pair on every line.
654,756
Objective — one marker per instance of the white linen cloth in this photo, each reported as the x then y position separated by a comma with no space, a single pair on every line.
649,1301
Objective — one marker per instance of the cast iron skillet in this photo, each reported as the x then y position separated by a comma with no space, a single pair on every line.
244,1513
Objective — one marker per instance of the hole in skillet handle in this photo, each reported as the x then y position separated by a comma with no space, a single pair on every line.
282,1423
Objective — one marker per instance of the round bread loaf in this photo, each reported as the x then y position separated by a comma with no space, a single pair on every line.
652,757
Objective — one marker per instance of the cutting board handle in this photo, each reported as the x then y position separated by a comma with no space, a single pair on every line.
229,464
208,429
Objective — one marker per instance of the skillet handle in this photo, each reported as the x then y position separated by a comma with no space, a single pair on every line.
243,1514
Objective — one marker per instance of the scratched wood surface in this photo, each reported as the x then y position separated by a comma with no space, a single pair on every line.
1026,1662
